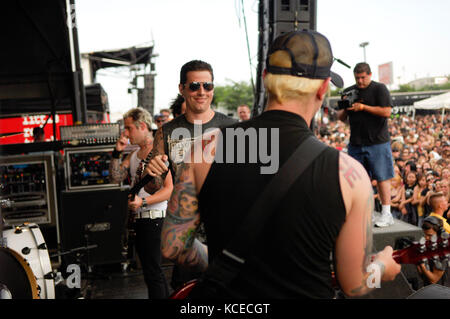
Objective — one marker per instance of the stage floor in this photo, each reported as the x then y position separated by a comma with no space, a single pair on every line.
111,282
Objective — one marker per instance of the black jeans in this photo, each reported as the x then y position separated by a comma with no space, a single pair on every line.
148,247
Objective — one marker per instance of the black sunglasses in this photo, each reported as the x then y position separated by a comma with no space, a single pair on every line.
195,86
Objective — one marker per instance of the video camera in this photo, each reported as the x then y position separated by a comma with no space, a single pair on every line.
347,99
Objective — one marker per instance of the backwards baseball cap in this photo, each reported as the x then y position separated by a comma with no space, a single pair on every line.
310,54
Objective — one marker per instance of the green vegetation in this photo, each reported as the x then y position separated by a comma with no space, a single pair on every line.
234,94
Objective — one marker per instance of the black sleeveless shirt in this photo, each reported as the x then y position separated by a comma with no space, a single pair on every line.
292,256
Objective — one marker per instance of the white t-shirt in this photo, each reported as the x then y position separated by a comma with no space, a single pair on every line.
134,164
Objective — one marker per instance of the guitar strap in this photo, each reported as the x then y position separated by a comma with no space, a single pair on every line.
226,265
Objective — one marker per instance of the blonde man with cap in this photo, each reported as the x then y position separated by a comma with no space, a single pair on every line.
327,210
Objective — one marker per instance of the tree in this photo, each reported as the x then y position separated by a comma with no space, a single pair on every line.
234,94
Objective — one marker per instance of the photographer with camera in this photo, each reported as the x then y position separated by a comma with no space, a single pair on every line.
368,105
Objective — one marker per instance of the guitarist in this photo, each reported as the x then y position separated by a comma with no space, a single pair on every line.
326,211
148,210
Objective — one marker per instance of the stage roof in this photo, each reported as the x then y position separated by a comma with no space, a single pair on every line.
123,57
35,57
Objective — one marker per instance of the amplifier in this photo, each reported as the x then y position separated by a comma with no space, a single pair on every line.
88,167
28,185
94,217
89,134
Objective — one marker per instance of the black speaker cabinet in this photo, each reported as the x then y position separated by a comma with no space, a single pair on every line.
93,217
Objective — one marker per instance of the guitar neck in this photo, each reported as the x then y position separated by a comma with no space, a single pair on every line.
147,178
137,187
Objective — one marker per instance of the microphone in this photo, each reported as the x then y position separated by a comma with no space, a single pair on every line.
137,187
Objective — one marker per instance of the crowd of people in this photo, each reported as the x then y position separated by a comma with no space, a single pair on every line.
421,152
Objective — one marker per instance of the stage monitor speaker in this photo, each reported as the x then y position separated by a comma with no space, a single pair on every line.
93,217
390,236
399,288
302,11
431,292
280,28
397,236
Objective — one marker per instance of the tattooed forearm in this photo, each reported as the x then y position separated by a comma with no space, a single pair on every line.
158,149
196,257
176,220
182,220
117,173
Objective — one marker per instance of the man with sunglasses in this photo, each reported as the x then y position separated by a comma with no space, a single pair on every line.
175,138
161,119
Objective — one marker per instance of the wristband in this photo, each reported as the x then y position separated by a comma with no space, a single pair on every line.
144,202
116,154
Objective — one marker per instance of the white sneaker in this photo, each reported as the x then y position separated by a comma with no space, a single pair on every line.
385,220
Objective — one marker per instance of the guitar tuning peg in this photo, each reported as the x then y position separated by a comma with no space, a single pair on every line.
433,242
447,257
422,245
444,237
437,262
425,262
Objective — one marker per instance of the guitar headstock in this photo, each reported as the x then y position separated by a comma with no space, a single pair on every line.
435,249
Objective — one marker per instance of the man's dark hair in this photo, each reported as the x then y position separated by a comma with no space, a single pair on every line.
176,105
432,222
412,165
195,65
361,68
38,133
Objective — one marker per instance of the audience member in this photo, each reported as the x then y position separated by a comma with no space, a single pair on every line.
433,272
243,113
439,203
419,145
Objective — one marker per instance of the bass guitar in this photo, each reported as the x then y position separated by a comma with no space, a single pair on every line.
436,249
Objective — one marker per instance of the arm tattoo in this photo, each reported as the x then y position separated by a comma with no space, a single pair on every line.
117,172
349,172
158,149
181,223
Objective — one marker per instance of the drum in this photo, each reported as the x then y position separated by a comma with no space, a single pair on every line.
17,280
28,242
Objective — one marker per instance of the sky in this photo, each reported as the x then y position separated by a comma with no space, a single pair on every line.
412,34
